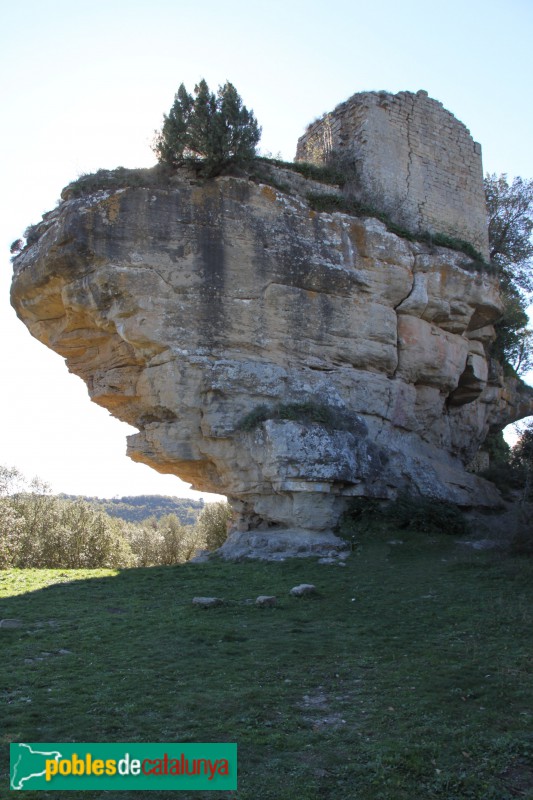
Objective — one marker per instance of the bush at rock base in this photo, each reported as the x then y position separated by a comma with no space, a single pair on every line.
406,513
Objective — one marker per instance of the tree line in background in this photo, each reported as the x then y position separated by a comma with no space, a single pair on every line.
138,508
38,529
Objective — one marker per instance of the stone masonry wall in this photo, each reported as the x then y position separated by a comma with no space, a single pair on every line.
413,159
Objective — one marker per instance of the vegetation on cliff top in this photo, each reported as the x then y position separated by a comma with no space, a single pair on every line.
158,177
332,202
208,130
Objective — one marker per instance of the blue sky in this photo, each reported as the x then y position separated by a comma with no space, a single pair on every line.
85,84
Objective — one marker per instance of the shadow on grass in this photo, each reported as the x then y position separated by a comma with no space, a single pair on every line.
409,657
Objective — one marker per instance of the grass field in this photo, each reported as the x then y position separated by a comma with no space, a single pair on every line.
409,676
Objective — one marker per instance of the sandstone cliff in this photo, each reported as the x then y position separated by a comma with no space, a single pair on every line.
286,358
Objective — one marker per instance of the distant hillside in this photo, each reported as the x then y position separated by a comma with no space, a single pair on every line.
141,507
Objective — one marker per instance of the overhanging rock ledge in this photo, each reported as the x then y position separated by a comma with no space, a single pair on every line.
289,359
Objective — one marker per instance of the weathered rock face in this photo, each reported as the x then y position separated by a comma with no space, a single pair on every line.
285,358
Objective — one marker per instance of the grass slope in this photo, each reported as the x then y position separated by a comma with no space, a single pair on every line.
408,676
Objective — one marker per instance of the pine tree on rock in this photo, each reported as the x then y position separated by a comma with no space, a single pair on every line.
171,141
211,130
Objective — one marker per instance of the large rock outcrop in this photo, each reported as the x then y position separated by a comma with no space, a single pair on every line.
288,359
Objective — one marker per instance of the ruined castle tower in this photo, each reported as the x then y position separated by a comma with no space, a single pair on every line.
411,159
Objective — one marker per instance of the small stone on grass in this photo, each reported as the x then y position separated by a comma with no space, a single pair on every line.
266,600
207,602
11,623
303,589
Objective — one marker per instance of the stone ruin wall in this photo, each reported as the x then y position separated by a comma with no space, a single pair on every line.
413,159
